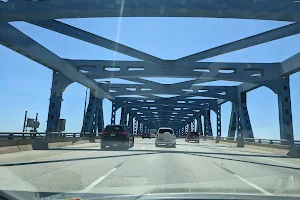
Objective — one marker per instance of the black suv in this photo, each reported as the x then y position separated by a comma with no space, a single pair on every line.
116,135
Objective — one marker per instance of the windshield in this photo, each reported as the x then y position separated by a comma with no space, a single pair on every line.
149,97
164,130
114,128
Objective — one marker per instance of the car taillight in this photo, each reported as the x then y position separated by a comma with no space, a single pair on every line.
103,133
123,133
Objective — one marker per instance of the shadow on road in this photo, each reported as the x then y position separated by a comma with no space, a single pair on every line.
232,157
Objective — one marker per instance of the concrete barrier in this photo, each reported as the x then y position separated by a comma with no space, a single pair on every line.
293,151
11,146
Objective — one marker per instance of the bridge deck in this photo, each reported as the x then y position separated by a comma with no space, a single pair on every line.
203,167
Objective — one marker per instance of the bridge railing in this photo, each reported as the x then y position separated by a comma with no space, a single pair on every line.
255,140
34,135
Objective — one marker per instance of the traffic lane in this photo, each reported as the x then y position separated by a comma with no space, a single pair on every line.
142,152
274,177
24,156
170,170
65,172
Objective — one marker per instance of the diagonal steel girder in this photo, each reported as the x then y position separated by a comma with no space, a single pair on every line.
96,40
261,38
17,41
243,9
206,71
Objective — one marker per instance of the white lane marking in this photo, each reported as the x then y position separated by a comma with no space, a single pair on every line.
253,185
96,182
280,162
190,149
143,147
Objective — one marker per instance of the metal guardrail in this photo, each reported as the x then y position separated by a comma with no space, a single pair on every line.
34,135
255,140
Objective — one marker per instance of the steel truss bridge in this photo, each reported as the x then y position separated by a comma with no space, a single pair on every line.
151,111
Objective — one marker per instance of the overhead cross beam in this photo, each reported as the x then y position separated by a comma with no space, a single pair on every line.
243,9
206,71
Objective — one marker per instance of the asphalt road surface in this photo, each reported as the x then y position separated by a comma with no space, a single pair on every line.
190,167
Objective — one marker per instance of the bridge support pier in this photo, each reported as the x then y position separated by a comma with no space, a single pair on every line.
232,123
135,126
199,124
59,84
193,125
244,125
218,124
285,112
207,124
113,113
93,118
130,123
123,118
240,121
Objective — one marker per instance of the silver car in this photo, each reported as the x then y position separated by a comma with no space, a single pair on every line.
165,136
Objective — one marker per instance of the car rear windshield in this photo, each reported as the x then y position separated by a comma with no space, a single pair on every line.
114,129
193,134
163,130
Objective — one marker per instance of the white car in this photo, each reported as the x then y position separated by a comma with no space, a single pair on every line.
165,136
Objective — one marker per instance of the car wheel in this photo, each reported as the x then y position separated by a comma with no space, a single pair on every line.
103,145
174,145
131,144
142,137
156,145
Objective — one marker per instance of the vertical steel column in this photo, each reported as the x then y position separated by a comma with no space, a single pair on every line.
193,125
232,123
244,128
139,128
145,129
218,124
93,118
200,128
123,118
130,123
59,84
207,123
100,116
285,112
135,126
186,129
113,113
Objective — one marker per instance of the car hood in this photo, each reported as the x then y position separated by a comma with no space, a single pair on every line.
18,195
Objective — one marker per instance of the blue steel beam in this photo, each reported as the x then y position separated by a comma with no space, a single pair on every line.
261,38
17,41
222,92
207,71
95,39
243,9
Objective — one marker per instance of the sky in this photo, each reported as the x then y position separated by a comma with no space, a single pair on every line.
25,85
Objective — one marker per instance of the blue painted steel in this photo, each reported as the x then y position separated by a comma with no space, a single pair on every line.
207,124
285,112
243,9
244,128
123,118
113,113
59,84
93,119
178,112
